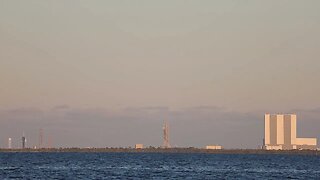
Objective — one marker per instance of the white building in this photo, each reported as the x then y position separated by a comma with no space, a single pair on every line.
213,147
139,146
281,133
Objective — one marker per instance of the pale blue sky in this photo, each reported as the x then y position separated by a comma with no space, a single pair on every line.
241,56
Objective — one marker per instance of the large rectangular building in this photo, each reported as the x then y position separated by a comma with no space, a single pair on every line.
281,133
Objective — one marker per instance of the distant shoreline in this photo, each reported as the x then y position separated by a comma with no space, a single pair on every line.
168,150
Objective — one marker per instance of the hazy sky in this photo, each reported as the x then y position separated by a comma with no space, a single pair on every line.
106,73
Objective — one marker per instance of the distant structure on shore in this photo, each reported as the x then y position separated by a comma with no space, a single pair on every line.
24,141
166,143
9,143
49,142
215,147
139,146
40,139
281,133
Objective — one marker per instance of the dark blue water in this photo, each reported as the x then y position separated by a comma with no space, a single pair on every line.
156,166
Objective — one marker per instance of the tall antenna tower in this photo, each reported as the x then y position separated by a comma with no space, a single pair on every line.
40,138
9,143
49,142
166,143
24,141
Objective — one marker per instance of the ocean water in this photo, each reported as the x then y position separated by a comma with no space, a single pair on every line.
157,166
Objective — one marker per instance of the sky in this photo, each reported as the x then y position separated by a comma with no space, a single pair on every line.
107,73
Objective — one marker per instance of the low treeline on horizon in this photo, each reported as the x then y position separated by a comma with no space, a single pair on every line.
160,150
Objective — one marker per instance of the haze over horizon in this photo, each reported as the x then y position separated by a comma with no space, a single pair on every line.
107,73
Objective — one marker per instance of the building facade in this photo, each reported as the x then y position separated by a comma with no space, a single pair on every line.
215,147
139,146
281,133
